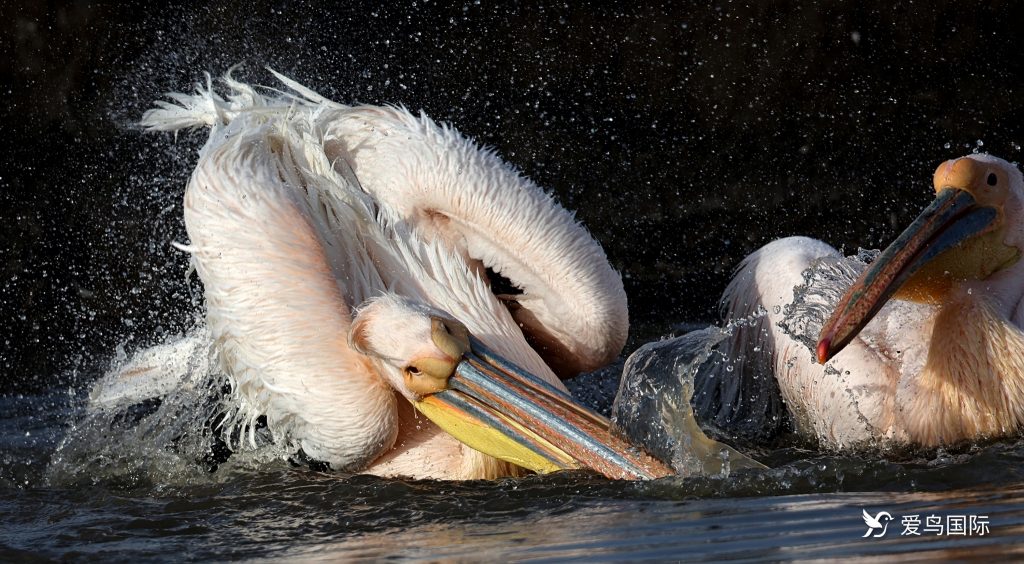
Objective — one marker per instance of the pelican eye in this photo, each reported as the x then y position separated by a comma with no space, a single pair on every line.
992,179
413,370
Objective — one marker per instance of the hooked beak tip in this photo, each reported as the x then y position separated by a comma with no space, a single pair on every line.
823,350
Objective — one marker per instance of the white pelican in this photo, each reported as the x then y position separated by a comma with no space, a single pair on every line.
350,259
925,348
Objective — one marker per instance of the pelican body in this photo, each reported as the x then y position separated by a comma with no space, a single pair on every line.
925,348
347,254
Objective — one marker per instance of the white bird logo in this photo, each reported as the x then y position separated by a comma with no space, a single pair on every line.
880,521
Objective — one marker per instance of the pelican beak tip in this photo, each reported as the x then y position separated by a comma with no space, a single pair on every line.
824,346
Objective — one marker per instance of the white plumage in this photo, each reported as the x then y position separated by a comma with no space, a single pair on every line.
942,362
301,209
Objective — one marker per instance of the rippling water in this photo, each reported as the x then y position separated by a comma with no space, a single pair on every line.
807,505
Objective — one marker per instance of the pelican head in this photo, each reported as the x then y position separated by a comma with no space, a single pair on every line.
483,400
419,346
973,232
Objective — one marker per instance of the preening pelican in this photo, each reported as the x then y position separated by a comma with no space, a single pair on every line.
925,348
353,256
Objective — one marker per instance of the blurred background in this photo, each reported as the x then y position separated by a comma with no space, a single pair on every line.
684,136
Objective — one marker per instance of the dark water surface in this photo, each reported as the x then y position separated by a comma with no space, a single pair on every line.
807,506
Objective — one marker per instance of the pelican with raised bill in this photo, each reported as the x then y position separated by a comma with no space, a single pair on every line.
925,347
360,262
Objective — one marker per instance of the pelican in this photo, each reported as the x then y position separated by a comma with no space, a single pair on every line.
924,349
392,298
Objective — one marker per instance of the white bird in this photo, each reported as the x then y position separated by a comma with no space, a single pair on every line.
925,348
878,524
348,253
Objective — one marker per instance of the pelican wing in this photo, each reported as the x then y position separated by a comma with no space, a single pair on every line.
445,187
784,286
181,362
277,239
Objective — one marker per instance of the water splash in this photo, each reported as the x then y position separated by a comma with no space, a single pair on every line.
724,378
813,301
158,419
653,405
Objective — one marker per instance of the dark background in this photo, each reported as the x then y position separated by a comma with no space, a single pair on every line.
685,136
